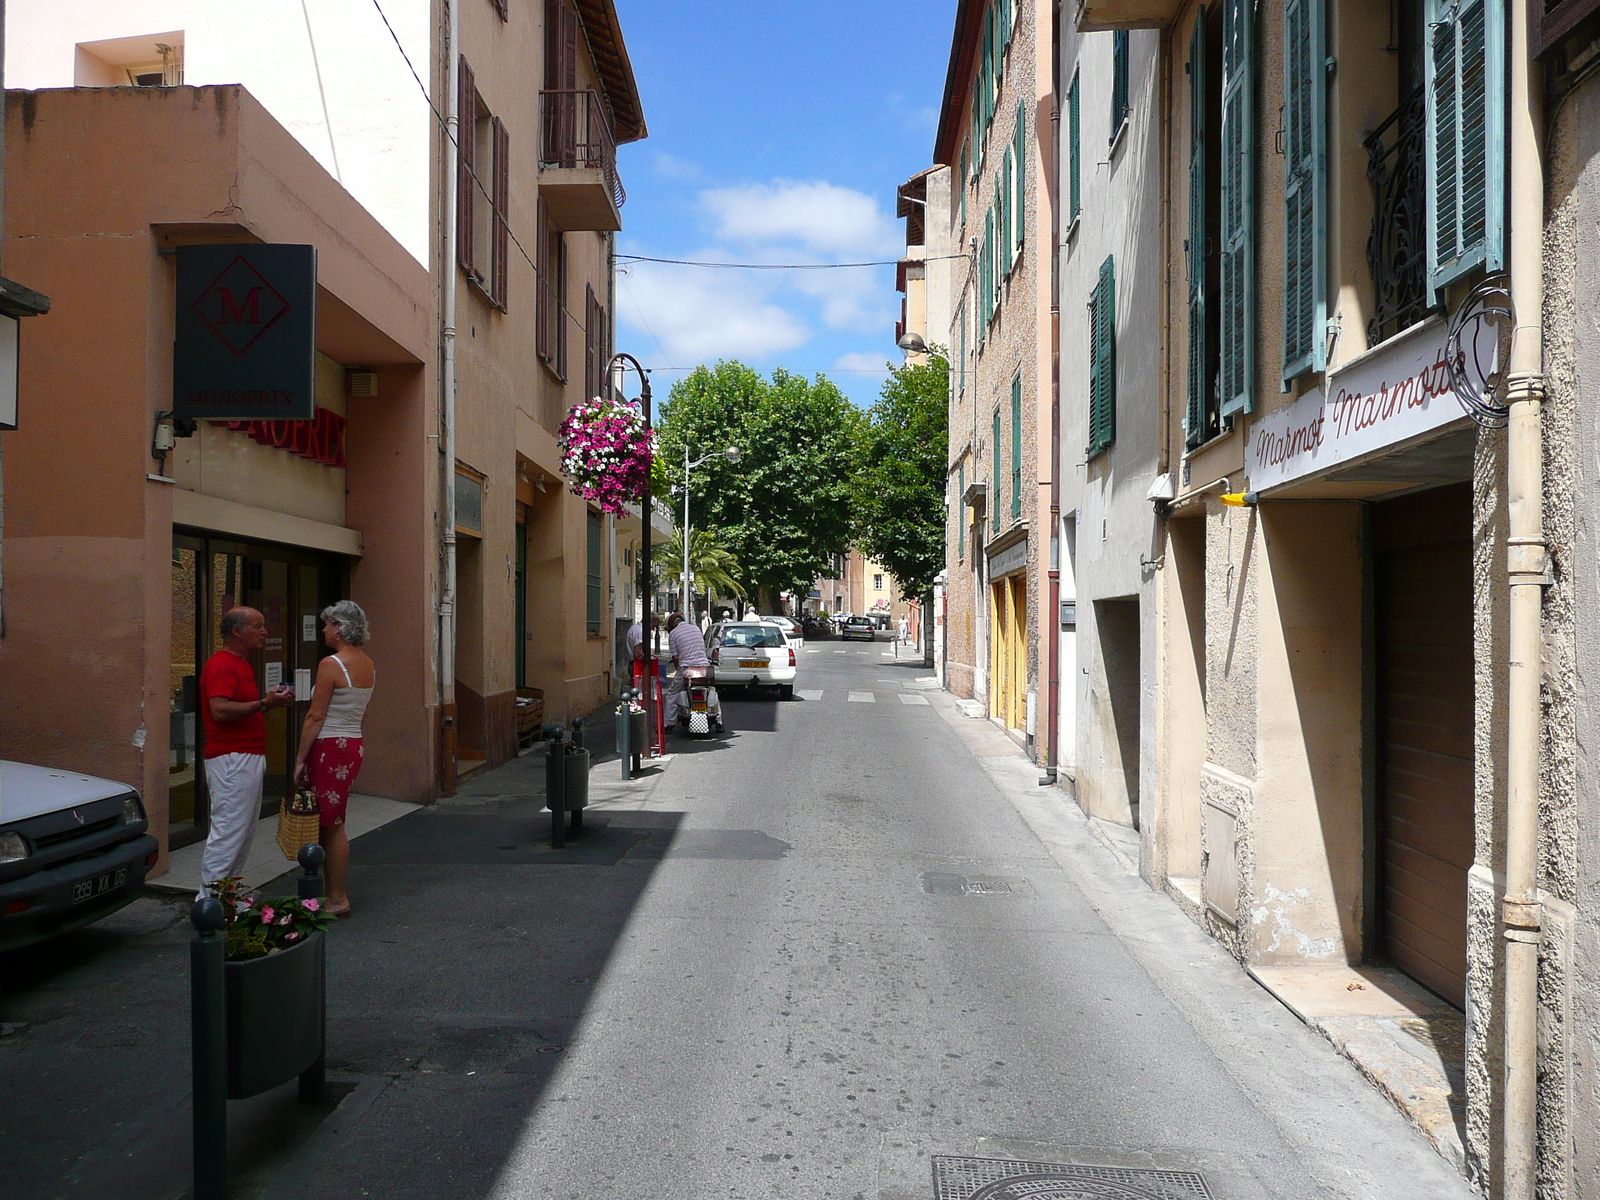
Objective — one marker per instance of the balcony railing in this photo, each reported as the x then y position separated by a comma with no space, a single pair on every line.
577,134
1397,248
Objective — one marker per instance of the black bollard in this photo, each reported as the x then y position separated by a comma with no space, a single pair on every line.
577,732
556,783
622,734
311,857
208,1031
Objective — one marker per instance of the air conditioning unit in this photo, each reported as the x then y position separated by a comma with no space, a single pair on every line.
363,385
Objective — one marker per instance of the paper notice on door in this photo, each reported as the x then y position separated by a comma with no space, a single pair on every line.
302,684
308,629
274,675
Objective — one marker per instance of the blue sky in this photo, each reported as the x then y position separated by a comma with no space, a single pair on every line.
778,133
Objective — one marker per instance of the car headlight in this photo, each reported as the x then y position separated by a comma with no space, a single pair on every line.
132,811
12,847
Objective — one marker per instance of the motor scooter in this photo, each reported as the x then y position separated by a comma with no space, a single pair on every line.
704,708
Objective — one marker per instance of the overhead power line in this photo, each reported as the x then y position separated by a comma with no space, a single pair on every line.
731,266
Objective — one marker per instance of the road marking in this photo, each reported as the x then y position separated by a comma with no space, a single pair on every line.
841,652
912,698
863,698
809,693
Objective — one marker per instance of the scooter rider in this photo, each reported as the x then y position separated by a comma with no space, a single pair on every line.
688,649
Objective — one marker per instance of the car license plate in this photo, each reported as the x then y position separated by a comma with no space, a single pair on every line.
698,706
752,664
98,885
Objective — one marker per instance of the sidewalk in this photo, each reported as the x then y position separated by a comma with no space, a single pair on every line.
1403,1040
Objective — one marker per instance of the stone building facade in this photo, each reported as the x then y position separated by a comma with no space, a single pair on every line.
994,130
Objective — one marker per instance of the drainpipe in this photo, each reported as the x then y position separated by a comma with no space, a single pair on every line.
1526,570
447,371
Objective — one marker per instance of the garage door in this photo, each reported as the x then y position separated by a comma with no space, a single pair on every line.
1423,558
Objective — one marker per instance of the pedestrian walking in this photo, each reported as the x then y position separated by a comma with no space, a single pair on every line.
905,629
331,747
231,709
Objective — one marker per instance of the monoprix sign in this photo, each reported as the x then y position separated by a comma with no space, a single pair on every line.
245,346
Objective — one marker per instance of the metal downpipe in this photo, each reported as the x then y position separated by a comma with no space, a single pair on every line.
1526,570
447,371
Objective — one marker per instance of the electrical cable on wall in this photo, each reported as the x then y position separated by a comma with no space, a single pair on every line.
1477,351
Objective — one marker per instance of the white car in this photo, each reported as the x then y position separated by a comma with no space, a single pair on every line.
73,848
790,630
752,654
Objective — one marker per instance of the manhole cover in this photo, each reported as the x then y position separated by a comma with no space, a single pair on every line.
959,1178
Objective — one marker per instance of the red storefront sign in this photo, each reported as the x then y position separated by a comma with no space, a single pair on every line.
320,439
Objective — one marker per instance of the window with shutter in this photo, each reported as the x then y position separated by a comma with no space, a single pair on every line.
466,153
961,182
1003,196
591,346
1237,267
1004,15
1016,448
998,253
1074,194
1466,137
961,512
1305,304
1103,360
994,490
1200,422
543,292
500,270
1119,81
594,578
961,353
1019,201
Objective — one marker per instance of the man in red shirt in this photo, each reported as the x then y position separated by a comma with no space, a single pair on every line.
231,707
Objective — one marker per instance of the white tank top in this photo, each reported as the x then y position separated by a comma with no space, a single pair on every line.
346,707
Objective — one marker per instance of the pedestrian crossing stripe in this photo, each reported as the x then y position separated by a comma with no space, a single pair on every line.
912,698
863,698
809,693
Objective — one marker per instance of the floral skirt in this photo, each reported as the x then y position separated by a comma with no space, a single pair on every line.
332,767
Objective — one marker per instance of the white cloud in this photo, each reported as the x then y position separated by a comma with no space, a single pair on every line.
823,218
860,299
670,166
862,361
701,315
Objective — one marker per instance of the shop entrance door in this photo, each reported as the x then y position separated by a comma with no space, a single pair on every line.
290,587
1422,550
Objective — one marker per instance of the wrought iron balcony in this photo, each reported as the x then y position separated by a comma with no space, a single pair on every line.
1397,248
578,161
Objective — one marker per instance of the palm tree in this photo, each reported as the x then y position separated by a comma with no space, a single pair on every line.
715,570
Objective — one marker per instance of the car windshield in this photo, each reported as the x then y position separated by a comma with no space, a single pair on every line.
752,635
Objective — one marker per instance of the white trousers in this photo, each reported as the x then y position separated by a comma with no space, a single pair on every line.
234,781
676,687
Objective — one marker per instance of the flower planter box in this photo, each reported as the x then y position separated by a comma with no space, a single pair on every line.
276,1016
577,765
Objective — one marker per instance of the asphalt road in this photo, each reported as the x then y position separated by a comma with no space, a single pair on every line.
833,953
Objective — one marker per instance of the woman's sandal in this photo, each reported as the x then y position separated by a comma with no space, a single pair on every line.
338,912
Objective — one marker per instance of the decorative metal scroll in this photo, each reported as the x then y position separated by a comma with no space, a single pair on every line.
1397,247
1478,351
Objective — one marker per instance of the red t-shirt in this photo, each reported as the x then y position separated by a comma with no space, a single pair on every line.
231,677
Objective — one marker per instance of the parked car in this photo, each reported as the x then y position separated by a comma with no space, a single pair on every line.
858,627
791,631
73,849
752,654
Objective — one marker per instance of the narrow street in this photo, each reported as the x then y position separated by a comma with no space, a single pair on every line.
794,962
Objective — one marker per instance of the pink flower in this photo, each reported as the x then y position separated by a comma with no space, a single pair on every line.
267,913
312,905
291,936
286,918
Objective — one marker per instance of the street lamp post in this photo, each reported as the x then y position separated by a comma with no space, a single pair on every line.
618,362
732,455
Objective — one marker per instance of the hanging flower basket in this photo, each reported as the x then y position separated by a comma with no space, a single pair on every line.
605,453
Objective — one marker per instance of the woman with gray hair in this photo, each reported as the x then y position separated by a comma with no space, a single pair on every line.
330,741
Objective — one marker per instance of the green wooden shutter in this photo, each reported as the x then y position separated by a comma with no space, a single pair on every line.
1305,301
1196,427
1019,203
961,512
1103,360
1003,199
1016,448
1074,192
994,493
1238,300
1119,80
1466,137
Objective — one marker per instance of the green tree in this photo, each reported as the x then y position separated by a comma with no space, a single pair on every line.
713,565
783,508
900,486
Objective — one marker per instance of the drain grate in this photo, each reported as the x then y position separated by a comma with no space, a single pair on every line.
961,1178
